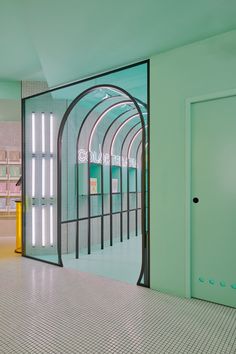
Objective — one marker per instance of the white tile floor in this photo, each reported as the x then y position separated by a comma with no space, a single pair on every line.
47,309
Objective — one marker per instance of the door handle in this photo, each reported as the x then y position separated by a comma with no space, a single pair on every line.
195,200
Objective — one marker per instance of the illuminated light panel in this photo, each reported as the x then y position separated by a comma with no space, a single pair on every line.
51,133
33,177
135,136
33,226
121,126
43,133
43,227
51,225
51,177
33,132
43,177
114,90
102,116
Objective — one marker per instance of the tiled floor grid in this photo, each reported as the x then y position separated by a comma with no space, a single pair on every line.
47,309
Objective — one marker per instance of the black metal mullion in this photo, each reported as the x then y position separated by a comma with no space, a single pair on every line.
136,186
77,207
89,204
148,167
121,200
102,196
111,201
128,201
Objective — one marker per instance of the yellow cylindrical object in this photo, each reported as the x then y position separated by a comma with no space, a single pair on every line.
18,227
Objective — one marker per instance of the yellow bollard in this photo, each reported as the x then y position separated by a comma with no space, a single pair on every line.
18,227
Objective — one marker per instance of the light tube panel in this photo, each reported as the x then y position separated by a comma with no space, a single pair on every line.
43,133
51,133
33,132
43,227
51,225
51,177
33,177
33,226
43,177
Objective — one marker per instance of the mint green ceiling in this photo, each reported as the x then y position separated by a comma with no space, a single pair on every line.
18,57
64,40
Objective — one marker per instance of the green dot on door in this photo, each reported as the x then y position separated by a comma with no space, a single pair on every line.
201,279
223,284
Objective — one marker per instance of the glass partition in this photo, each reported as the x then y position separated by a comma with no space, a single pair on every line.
85,172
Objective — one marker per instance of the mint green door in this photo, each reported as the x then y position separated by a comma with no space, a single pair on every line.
213,205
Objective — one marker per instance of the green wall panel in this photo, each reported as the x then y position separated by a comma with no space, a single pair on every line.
10,100
10,90
199,69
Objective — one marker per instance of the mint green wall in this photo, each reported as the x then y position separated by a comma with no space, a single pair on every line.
194,70
10,100
10,90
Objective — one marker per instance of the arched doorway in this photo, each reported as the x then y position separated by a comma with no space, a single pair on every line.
100,115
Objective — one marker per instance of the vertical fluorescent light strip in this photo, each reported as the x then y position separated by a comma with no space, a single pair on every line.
51,225
51,133
33,177
33,226
43,133
43,227
51,177
51,157
33,132
43,153
43,177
